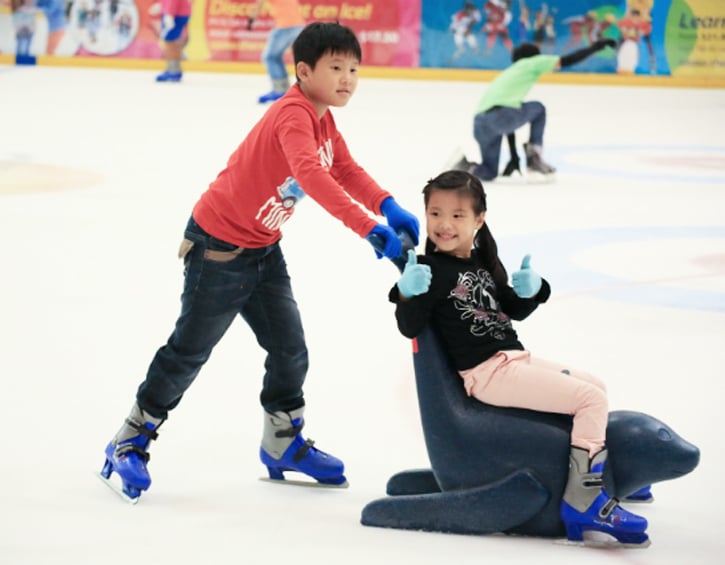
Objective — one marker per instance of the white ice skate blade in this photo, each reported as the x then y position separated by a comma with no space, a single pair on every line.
303,483
513,179
599,540
117,489
520,179
539,178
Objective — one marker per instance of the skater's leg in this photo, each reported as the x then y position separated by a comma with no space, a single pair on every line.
127,453
214,291
278,42
285,449
573,372
488,138
586,506
510,379
488,129
535,113
217,281
273,315
174,35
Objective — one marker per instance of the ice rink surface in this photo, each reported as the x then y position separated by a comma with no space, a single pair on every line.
99,170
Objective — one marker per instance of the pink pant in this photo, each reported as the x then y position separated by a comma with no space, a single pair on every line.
516,379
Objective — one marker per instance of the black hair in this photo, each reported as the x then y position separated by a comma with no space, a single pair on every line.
524,51
319,38
484,245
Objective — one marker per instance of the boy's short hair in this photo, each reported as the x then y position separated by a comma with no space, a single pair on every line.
319,38
524,51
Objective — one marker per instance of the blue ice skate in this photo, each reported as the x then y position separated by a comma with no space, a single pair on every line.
271,96
127,455
586,506
284,449
169,76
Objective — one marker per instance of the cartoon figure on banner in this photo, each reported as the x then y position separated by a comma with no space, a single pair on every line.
103,27
635,26
498,17
524,23
144,42
124,25
24,12
585,29
462,24
544,32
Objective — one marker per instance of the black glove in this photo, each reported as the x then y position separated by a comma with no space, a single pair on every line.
600,44
581,54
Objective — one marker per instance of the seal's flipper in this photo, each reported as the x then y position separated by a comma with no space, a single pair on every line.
415,481
493,508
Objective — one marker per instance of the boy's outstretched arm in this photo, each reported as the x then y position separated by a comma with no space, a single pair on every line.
581,54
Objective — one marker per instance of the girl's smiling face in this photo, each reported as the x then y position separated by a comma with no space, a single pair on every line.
451,222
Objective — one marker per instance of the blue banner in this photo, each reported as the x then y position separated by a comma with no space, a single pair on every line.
481,35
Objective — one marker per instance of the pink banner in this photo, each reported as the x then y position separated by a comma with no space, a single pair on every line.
388,31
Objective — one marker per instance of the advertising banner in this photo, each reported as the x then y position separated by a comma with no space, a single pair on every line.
655,37
695,38
388,30
220,32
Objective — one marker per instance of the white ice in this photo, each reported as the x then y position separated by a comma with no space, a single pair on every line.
631,237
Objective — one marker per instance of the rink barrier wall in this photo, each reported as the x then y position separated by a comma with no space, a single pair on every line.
665,43
396,73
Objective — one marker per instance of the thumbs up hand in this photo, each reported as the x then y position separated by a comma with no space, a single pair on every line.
526,282
415,279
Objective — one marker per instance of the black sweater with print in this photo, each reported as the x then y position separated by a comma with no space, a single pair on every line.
470,314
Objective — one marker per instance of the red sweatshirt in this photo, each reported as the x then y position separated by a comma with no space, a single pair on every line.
248,202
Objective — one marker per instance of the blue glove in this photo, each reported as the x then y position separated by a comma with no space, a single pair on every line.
393,247
526,282
400,219
416,278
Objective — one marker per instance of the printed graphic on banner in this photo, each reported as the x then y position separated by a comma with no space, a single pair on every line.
377,23
124,28
695,38
103,27
654,37
36,27
483,34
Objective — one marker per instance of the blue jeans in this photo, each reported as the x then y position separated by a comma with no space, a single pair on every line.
253,284
489,128
277,43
